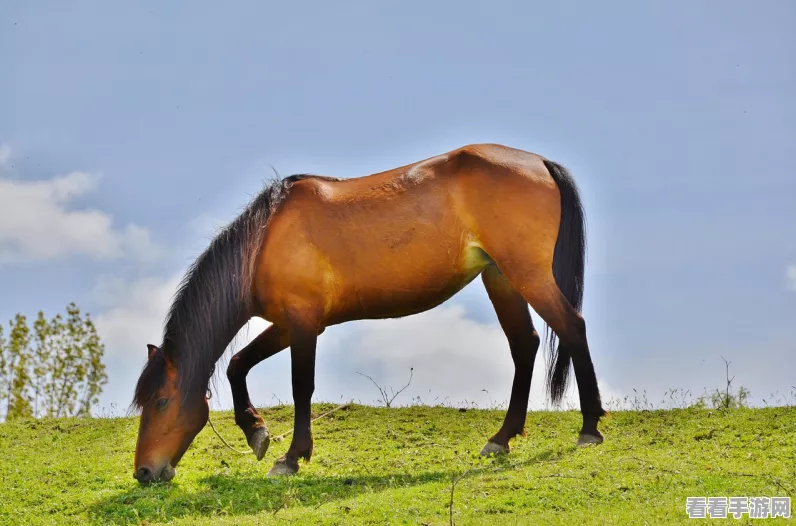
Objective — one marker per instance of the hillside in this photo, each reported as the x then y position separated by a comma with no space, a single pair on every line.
374,465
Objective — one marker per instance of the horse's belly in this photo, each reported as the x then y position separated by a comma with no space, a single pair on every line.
408,282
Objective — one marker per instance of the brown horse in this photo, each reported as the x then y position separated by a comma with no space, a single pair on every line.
310,252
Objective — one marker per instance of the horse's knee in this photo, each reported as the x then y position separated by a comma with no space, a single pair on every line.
234,369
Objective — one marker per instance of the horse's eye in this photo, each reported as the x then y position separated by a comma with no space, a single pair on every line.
161,404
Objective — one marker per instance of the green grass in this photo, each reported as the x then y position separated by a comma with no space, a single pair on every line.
396,466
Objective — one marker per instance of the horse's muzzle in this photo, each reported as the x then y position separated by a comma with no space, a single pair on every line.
145,475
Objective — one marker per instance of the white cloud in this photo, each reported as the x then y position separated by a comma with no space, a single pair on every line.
132,313
36,222
452,356
133,316
790,276
456,358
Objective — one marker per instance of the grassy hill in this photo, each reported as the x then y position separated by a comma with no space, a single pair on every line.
396,466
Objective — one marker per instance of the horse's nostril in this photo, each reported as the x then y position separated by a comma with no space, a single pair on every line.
168,473
144,474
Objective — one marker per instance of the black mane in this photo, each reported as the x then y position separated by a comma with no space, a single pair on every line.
213,301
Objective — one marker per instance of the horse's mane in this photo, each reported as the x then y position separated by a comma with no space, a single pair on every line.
213,301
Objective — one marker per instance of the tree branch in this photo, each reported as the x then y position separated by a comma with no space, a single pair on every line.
388,400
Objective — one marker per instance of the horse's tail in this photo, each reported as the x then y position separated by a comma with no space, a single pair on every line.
568,268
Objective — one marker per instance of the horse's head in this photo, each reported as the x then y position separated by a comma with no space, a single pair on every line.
170,418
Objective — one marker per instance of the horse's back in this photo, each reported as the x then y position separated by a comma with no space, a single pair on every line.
400,241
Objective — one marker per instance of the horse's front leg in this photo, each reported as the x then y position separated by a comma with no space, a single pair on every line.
302,365
269,342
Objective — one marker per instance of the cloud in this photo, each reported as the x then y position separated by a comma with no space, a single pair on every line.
790,276
132,316
452,356
36,222
455,359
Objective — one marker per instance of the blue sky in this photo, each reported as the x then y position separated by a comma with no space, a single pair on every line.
129,132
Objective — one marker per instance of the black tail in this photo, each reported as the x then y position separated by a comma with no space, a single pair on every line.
568,268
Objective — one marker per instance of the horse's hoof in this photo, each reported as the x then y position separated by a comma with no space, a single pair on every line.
259,442
282,468
493,449
589,439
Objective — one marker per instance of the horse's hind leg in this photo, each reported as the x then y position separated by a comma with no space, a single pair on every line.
269,342
540,290
515,319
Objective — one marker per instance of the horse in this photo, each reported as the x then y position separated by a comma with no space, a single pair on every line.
311,251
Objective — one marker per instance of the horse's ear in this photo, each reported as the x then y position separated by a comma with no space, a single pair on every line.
152,349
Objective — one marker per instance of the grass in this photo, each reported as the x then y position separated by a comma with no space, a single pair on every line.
397,466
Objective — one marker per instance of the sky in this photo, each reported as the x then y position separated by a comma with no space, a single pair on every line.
130,132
